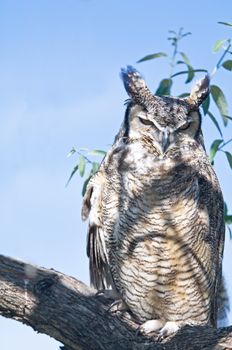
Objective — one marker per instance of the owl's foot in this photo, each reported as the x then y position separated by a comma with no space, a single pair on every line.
157,326
118,305
149,327
169,328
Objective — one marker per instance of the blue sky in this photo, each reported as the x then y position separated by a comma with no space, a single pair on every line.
59,88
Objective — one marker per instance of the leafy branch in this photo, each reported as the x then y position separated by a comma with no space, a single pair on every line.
217,94
177,58
84,162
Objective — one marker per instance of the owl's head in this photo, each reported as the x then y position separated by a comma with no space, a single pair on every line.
165,122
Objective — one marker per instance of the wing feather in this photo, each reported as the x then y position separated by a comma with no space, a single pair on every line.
100,276
213,199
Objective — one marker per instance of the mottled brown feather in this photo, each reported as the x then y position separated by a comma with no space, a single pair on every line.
156,228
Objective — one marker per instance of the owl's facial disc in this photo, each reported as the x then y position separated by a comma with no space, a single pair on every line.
162,136
161,130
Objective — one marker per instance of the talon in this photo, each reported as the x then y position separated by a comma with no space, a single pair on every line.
99,292
115,303
119,305
108,294
169,328
137,332
159,338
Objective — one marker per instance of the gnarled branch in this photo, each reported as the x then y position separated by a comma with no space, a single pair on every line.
67,310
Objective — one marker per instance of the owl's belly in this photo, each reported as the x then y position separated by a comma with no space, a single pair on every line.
163,267
161,263
164,283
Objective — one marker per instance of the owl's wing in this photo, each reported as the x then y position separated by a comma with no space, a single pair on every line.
100,276
213,199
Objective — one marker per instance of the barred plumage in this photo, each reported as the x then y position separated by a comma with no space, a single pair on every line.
155,208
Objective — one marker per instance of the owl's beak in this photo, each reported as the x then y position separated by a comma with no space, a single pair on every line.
164,139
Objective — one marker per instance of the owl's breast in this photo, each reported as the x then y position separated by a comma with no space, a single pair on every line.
154,245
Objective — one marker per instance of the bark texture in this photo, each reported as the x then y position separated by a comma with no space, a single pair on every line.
68,311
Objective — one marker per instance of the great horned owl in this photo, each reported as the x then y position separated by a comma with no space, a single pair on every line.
155,208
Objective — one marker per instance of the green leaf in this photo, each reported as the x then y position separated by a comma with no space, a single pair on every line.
229,158
228,219
172,31
185,34
152,56
95,167
185,58
213,149
187,72
227,65
218,45
85,185
82,164
73,150
227,117
205,105
185,94
190,74
72,173
97,152
214,120
230,231
226,23
220,100
173,39
164,87
190,68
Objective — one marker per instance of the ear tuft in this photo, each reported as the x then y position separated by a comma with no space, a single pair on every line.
132,80
136,87
200,91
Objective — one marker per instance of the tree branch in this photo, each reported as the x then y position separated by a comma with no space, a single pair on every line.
67,310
